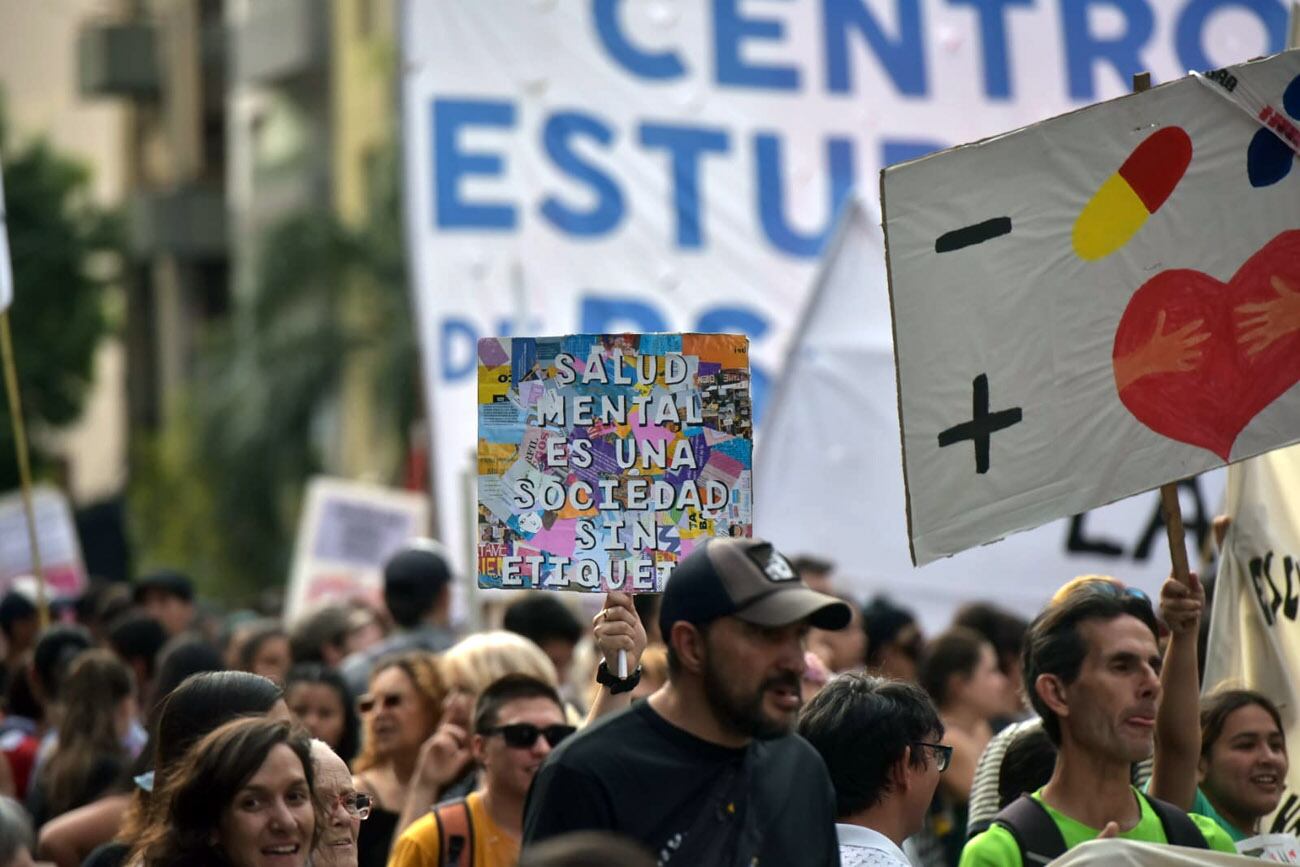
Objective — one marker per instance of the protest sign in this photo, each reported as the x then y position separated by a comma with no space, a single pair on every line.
605,458
346,534
1273,848
678,166
56,531
839,392
1095,305
1254,638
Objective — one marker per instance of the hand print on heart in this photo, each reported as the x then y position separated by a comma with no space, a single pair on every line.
1196,359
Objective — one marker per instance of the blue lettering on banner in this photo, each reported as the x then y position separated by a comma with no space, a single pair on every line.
449,117
771,194
457,349
902,57
1083,49
557,136
686,145
605,314
644,64
730,30
993,40
1189,31
600,315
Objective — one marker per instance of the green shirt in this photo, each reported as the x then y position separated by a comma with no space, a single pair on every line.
997,848
1201,806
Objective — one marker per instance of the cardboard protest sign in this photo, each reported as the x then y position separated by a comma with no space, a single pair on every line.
1096,305
60,548
346,534
605,458
1254,638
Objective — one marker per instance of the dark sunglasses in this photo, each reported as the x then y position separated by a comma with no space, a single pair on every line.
942,754
524,735
367,703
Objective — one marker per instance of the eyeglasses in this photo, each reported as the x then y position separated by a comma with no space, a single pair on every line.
942,754
524,735
355,803
367,703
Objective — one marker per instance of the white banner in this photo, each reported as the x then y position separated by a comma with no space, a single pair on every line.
830,446
603,166
1254,635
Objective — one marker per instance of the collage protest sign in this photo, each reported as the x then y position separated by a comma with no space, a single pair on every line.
605,459
1095,305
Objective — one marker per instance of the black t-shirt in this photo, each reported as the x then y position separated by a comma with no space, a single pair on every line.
636,774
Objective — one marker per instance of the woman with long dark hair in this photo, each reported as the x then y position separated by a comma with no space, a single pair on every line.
318,697
90,756
242,797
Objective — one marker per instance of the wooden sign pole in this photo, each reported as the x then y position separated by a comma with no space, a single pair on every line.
1169,505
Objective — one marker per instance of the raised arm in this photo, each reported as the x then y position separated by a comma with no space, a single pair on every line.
1178,718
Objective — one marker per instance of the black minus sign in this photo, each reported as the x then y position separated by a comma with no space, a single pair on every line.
968,236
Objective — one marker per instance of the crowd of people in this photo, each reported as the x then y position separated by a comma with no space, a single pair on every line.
748,715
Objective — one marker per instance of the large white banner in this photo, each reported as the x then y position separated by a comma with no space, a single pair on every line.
598,166
1254,634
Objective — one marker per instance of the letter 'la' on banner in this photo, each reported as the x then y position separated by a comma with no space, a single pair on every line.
603,459
1254,638
6,271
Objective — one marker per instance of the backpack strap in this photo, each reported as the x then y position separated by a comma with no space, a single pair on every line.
1036,835
1179,828
455,834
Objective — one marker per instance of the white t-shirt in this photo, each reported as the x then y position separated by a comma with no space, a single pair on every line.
863,847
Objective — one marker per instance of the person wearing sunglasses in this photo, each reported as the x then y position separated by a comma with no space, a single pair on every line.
880,740
517,721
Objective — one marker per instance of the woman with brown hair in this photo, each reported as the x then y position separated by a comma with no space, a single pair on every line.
90,756
399,713
243,797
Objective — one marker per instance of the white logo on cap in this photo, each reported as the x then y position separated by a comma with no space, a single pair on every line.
779,569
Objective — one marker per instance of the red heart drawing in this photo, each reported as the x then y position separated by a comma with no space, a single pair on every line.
1202,383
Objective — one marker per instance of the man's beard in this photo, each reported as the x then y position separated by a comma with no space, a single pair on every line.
743,714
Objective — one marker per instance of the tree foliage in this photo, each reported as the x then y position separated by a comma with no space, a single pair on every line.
64,252
269,381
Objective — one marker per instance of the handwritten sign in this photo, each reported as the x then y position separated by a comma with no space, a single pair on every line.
1096,305
604,459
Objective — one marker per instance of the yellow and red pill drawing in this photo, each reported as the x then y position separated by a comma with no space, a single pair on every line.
1130,196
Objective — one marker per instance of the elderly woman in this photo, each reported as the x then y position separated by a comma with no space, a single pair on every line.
341,807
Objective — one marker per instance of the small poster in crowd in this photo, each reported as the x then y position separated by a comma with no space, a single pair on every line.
603,459
346,533
56,534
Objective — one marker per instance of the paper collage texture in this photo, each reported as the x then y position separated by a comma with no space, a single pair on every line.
605,459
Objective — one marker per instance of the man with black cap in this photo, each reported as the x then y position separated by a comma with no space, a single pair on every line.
168,597
707,770
417,593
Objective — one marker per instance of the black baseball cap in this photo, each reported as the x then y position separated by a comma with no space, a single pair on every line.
167,581
745,578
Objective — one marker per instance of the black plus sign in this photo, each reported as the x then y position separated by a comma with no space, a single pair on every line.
982,424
